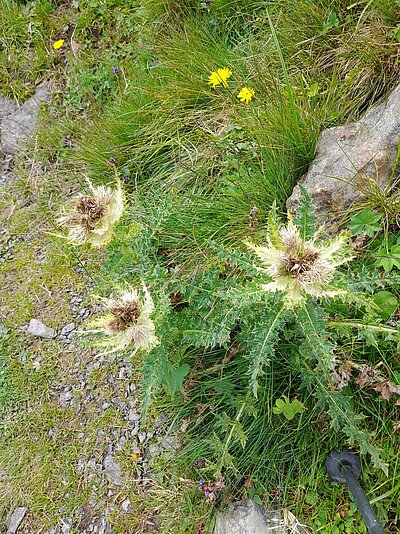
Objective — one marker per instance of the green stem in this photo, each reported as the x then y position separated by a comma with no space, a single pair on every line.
374,328
229,438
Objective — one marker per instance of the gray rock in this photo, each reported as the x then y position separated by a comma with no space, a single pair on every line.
67,329
7,107
16,519
20,125
142,437
113,470
132,415
126,506
249,518
66,398
38,329
169,443
3,331
349,156
154,450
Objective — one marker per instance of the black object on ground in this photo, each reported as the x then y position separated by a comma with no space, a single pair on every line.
345,467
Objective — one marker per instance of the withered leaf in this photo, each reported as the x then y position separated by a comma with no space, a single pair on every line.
341,376
367,374
387,389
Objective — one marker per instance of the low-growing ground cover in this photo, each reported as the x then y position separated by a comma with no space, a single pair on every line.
207,114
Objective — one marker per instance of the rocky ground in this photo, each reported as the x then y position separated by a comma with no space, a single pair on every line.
94,398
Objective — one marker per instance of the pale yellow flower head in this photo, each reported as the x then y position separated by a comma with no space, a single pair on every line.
301,268
58,44
246,94
127,323
93,218
220,77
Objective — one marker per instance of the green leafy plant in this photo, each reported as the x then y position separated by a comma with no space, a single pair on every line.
388,257
287,408
366,221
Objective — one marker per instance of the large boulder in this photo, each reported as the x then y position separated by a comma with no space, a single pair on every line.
349,156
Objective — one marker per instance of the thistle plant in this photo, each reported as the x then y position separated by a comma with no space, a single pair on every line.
301,267
94,215
127,323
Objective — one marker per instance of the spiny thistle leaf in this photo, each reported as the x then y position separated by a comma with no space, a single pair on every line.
305,217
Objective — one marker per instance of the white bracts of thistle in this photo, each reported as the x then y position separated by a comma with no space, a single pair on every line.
298,267
127,323
93,218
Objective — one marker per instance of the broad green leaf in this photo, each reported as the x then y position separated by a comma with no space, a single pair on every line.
287,408
173,379
366,221
387,304
388,258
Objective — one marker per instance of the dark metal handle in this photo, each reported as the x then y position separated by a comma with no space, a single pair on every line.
368,514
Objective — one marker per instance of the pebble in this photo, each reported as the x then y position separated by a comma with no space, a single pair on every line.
16,519
126,506
142,437
66,398
38,329
133,416
112,470
154,450
3,331
67,329
168,442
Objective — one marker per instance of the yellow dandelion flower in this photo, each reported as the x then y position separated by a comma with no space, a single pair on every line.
93,219
58,44
220,76
127,323
246,94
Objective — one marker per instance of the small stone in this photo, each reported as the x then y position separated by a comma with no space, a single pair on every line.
16,519
81,464
105,405
169,442
135,449
38,329
133,416
154,450
142,437
160,422
126,506
67,329
3,331
113,470
66,398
